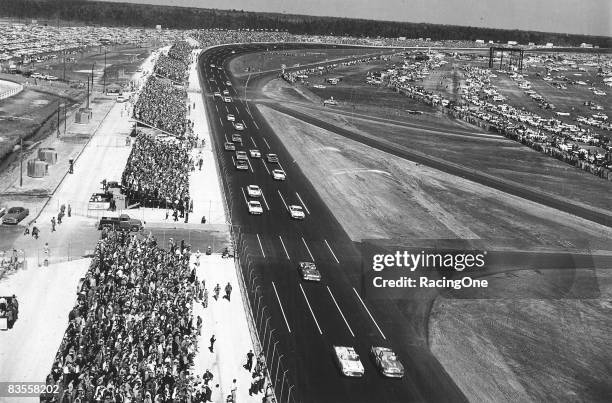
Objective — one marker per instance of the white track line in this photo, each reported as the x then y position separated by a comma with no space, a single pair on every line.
250,166
255,123
225,135
261,246
281,196
266,141
220,121
244,195
311,311
265,201
281,167
233,161
339,310
308,249
282,243
368,311
253,141
281,307
302,201
332,252
265,166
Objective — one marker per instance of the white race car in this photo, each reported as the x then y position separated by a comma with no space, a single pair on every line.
229,146
255,207
279,175
348,361
254,191
255,153
225,92
296,212
217,94
229,84
241,155
230,117
242,165
227,100
238,126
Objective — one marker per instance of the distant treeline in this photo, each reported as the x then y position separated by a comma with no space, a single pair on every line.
143,15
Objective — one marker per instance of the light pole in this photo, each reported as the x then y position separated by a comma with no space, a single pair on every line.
282,383
289,395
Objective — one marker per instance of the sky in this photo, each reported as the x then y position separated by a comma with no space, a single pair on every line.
590,17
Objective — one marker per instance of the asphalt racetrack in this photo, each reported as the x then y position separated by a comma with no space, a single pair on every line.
304,320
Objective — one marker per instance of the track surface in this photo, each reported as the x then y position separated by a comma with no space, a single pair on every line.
309,318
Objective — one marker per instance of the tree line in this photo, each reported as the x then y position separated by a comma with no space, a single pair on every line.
143,15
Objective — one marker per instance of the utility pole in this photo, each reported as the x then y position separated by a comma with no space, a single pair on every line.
64,65
65,106
58,119
20,161
87,92
92,77
104,71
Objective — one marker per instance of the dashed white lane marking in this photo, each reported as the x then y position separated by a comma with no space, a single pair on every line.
253,141
261,246
340,310
265,166
284,248
266,141
332,252
281,307
302,201
233,161
283,199
250,166
308,249
255,123
311,311
245,198
368,311
265,201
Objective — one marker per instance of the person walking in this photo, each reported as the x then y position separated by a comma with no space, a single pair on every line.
228,291
53,224
249,364
212,344
69,211
234,391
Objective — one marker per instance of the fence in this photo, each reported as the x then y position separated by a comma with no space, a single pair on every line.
278,371
13,89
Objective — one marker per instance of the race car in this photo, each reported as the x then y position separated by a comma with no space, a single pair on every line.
242,165
227,100
348,361
296,212
272,157
239,126
226,92
254,191
279,175
229,146
255,153
309,271
241,155
217,94
387,362
230,117
212,66
229,84
236,137
255,207
14,215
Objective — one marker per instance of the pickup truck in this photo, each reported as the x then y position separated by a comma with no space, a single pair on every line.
123,222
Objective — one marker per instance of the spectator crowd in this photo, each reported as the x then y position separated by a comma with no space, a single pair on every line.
174,65
162,105
131,336
157,173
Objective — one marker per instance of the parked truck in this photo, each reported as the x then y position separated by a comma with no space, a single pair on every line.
123,222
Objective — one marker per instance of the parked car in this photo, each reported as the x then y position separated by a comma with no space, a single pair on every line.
14,215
